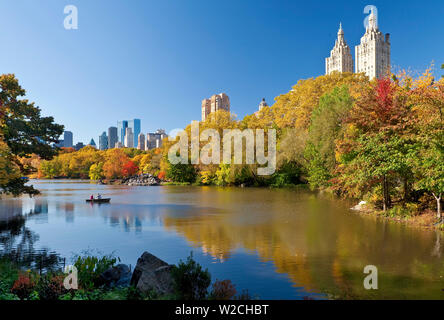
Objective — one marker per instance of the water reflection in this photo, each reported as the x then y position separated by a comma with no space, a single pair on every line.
17,242
319,246
284,243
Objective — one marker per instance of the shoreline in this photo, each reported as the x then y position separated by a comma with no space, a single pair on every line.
425,220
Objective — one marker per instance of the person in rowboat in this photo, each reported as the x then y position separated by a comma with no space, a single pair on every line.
99,196
92,197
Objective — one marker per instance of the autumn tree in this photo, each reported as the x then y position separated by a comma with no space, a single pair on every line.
115,160
25,132
428,97
294,109
129,169
376,143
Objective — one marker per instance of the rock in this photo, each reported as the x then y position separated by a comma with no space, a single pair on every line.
144,179
151,273
118,276
359,206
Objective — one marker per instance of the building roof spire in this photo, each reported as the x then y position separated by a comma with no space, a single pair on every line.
340,28
373,21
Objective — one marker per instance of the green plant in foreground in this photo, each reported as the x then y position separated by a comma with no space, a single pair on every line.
191,282
89,269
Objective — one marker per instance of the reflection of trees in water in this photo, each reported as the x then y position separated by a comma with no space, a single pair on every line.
17,244
323,251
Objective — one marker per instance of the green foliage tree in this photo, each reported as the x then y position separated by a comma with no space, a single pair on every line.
181,172
24,131
325,127
429,172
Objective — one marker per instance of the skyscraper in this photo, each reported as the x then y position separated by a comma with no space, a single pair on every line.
67,139
135,126
373,54
121,129
141,141
340,57
92,143
103,141
112,137
129,138
216,102
154,140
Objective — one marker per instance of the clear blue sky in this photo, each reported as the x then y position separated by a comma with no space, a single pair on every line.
156,60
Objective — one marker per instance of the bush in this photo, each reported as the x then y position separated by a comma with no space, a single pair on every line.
24,285
89,269
181,173
399,211
223,290
50,287
191,282
288,174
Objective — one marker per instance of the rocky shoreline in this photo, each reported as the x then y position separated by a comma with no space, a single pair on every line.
150,273
144,180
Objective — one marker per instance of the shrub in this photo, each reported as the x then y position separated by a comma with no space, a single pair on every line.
181,173
89,269
223,290
24,285
191,282
50,287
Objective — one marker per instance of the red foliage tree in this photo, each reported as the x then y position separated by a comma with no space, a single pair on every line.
129,169
162,175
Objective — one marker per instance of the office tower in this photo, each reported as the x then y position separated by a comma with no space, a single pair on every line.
340,58
215,103
154,140
372,56
67,139
112,137
129,138
79,146
92,143
103,141
118,145
141,141
121,129
135,125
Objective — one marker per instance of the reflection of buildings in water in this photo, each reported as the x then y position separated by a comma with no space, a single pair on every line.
41,206
133,217
9,209
320,250
68,209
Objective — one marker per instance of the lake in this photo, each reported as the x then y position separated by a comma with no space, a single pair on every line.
277,243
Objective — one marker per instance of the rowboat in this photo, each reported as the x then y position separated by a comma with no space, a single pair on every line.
104,200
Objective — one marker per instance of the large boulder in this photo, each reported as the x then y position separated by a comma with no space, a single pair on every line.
151,273
118,276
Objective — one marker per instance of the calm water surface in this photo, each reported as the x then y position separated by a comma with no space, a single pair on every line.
278,244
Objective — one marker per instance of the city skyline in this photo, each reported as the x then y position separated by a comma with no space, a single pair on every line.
132,54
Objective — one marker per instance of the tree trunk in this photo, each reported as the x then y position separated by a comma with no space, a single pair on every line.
406,190
438,205
386,194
